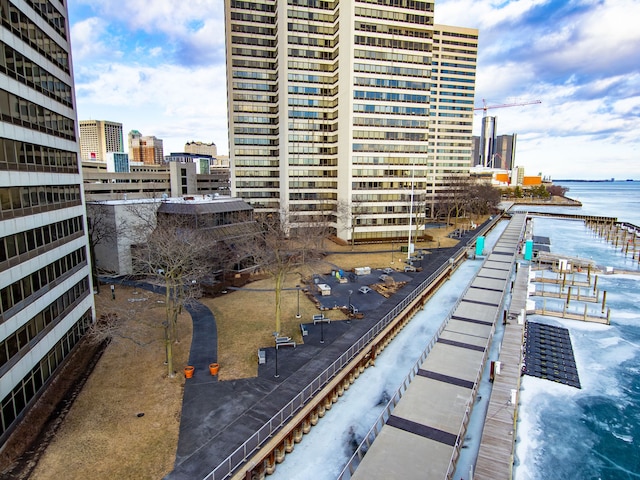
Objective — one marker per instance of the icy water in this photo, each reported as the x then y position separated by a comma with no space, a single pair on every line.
563,432
593,432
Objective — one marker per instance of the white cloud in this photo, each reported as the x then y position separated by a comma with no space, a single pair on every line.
171,102
172,18
578,57
603,38
482,14
90,40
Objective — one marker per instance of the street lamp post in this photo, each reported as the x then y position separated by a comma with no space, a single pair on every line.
321,331
275,340
350,308
298,314
391,251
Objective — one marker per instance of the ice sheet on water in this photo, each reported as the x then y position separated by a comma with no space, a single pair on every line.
587,433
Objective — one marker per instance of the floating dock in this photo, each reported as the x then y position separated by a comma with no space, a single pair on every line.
548,354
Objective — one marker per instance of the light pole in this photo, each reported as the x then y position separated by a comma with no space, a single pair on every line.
298,314
275,340
322,331
350,309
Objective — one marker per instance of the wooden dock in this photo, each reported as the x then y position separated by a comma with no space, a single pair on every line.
602,319
574,294
497,446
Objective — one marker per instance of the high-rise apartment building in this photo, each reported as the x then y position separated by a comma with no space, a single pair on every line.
145,149
46,301
201,148
338,107
455,51
99,137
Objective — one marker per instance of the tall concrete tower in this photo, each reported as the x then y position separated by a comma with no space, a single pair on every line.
45,283
334,108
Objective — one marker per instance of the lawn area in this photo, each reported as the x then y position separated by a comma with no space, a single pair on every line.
105,435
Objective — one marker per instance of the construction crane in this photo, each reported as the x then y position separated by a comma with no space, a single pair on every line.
486,107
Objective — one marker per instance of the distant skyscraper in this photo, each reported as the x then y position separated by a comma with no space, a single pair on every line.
145,149
505,152
45,287
99,137
355,106
201,148
488,140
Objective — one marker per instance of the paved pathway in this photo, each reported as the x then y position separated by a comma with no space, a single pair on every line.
218,417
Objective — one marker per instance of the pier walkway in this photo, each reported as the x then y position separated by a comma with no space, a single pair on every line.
497,446
425,429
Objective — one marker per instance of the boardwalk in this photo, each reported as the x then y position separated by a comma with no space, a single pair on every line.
495,457
424,432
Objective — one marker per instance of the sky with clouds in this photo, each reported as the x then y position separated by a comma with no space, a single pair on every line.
158,66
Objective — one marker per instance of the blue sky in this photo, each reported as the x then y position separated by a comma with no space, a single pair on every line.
158,66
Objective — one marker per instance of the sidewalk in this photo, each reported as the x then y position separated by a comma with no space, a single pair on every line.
218,417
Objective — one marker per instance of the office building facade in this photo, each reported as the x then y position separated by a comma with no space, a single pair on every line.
505,154
488,141
455,51
201,148
145,149
502,154
45,286
331,107
99,137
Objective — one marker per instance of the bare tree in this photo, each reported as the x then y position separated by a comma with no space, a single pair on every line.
351,213
279,252
557,190
314,229
483,198
178,257
453,201
102,229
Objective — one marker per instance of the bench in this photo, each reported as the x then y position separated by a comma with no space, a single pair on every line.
284,342
304,329
262,357
320,319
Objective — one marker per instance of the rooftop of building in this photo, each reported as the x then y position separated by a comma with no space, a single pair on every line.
175,202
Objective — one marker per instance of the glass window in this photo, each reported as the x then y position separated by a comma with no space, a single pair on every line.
21,243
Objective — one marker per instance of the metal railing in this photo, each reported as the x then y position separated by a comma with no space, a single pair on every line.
373,432
239,456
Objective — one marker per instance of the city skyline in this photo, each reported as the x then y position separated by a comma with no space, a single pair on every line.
160,68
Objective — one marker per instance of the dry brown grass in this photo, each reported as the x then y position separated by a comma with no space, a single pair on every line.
246,319
102,436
